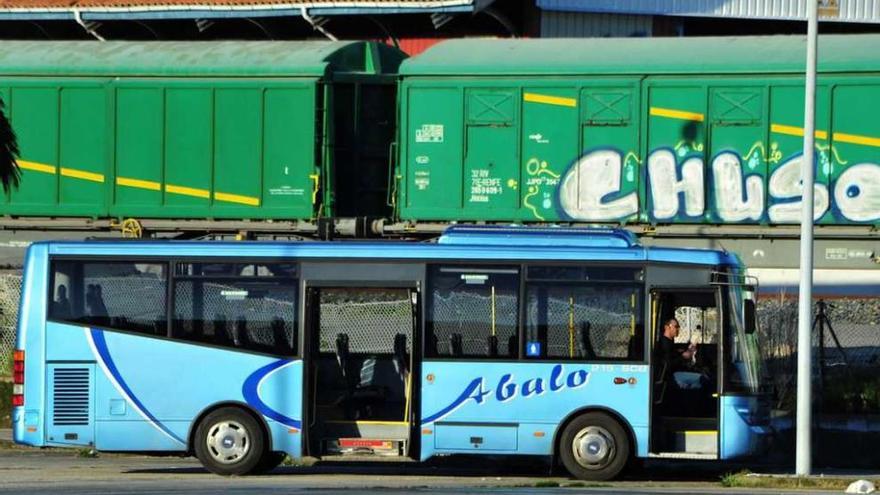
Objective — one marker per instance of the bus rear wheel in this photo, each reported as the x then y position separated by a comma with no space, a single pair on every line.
594,447
229,441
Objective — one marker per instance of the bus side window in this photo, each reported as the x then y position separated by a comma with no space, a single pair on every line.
117,295
241,306
472,312
583,313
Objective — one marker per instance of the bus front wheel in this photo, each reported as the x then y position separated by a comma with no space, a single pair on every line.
229,441
594,447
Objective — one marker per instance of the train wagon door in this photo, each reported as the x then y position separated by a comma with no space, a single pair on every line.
685,369
549,146
491,168
603,183
359,358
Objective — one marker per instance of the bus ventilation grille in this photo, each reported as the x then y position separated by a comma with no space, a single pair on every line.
71,394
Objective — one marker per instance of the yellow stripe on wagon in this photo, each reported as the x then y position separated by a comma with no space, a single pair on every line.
236,198
856,139
188,191
82,174
138,183
36,167
549,100
677,114
791,130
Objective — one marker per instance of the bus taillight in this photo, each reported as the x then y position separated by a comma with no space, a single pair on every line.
18,378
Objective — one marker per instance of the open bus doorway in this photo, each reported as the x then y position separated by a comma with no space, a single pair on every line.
360,360
685,371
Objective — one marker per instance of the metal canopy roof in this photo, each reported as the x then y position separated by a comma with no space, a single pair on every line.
849,10
203,9
577,56
195,58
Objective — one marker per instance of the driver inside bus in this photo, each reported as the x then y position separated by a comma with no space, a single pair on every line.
667,356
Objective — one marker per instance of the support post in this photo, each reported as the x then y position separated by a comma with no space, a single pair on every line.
803,461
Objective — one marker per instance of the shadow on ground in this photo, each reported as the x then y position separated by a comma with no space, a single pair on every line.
482,467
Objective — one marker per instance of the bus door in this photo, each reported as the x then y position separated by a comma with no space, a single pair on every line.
359,346
685,370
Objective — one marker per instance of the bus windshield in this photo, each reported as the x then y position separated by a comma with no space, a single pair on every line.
744,370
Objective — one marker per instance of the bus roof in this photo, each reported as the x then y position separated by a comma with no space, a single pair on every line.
459,243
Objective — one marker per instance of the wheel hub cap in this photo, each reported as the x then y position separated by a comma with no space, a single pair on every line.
228,442
593,447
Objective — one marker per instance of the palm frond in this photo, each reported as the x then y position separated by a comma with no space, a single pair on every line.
9,171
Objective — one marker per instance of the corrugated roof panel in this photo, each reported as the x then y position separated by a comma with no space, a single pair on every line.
191,58
591,25
567,56
850,10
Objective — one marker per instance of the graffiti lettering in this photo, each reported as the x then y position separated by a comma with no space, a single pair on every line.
736,201
594,179
857,193
786,188
663,176
676,189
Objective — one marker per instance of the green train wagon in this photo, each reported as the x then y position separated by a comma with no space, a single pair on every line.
653,131
200,130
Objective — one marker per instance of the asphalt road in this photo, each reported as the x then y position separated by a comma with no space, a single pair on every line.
64,472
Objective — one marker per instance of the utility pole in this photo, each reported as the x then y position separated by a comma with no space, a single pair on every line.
803,461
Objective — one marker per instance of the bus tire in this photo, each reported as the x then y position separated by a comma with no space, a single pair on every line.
230,442
594,447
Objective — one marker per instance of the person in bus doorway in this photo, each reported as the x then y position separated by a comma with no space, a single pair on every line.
671,358
668,359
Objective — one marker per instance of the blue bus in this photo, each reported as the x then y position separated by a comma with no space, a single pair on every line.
521,341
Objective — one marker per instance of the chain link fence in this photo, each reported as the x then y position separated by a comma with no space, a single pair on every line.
10,290
370,319
846,363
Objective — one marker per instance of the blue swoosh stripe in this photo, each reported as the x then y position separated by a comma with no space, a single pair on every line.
104,353
465,395
252,395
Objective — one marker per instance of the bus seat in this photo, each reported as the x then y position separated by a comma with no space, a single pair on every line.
279,336
221,335
160,327
455,344
492,346
401,359
431,347
586,342
660,384
61,305
240,332
95,301
513,346
634,347
342,353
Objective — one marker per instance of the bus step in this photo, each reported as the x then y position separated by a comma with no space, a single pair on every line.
697,441
364,446
682,455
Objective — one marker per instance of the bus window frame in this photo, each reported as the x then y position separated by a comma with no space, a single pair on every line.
50,293
170,262
641,265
